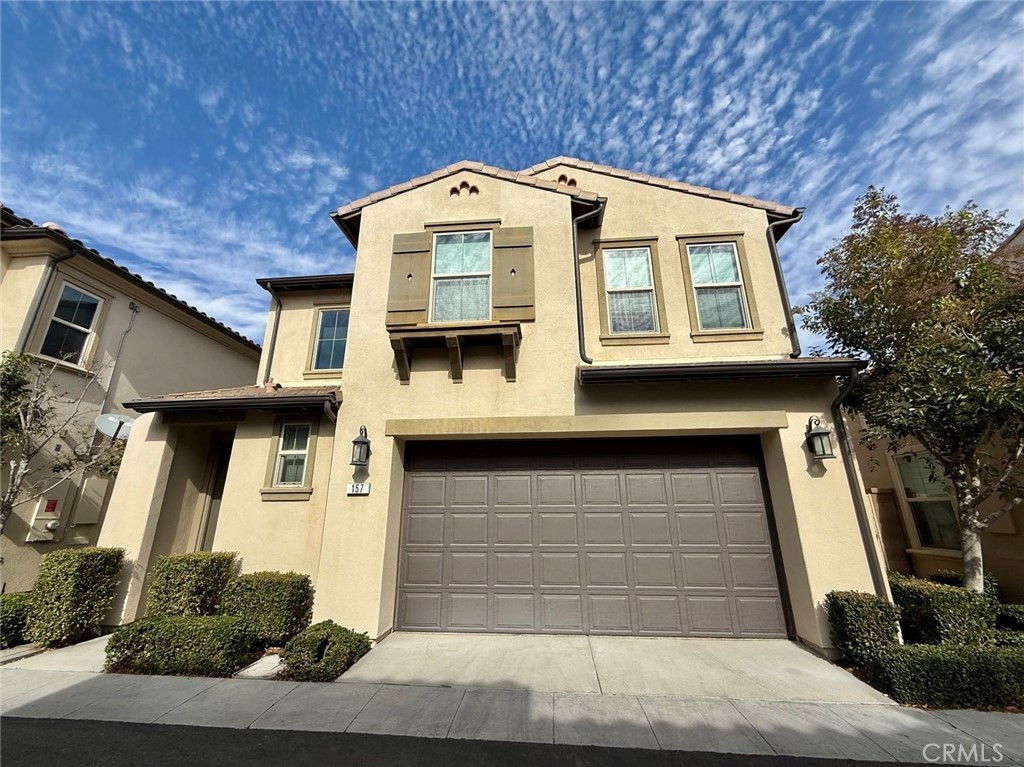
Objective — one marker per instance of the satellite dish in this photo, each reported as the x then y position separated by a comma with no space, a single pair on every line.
114,426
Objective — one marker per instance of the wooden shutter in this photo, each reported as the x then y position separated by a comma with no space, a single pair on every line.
409,293
512,287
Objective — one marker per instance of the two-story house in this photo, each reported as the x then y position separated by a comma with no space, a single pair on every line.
110,336
563,400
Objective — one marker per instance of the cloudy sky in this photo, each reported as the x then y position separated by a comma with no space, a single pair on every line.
203,145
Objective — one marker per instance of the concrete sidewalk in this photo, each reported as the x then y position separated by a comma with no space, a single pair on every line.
824,730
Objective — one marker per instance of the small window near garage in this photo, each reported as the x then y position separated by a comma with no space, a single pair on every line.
292,454
331,336
718,286
931,508
461,281
72,325
629,284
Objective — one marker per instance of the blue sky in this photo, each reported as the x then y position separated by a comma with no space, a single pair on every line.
204,145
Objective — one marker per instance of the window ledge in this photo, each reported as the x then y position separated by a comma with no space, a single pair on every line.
716,336
286,493
634,339
930,551
70,367
317,374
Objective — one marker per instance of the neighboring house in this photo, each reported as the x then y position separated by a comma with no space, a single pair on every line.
917,514
512,483
75,309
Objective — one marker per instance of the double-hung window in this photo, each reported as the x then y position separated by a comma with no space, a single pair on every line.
292,455
461,280
72,325
331,335
629,285
928,499
718,286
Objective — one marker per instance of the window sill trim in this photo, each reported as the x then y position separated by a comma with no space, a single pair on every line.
70,367
315,374
932,551
634,339
285,493
716,336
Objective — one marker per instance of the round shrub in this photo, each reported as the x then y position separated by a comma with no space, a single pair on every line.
276,605
189,584
862,624
14,611
72,593
216,645
323,652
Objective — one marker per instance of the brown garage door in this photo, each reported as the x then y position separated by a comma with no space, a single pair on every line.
654,536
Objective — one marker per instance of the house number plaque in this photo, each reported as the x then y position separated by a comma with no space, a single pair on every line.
357,488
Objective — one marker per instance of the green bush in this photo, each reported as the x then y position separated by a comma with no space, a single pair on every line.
276,605
951,676
72,593
1009,638
14,610
862,624
931,613
1010,617
215,645
323,652
990,584
189,584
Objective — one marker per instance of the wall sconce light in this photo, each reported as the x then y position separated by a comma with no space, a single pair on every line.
819,439
361,449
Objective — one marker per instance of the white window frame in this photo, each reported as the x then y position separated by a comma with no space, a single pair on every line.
608,291
747,323
282,453
434,277
909,520
90,332
316,337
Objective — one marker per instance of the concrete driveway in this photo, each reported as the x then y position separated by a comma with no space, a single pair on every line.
740,669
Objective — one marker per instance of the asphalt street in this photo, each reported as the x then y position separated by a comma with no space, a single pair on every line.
63,743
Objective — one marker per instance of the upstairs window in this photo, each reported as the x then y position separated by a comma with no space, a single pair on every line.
292,455
331,335
461,280
718,286
629,285
931,507
72,325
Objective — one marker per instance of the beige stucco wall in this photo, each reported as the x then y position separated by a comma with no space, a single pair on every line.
290,359
165,351
1002,544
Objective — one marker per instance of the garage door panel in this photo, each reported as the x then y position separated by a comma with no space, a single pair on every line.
667,537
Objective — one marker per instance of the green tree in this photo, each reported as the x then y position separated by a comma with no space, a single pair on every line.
45,437
936,307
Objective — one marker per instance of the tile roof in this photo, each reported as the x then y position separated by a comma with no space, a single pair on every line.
466,165
644,178
239,397
14,224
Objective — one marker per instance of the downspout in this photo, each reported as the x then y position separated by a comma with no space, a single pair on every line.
878,577
794,339
579,287
273,334
37,303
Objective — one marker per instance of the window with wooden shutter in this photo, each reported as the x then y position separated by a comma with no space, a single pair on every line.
409,293
512,291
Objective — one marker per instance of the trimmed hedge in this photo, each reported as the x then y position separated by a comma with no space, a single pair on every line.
72,593
951,676
1010,617
862,624
1009,638
189,584
990,584
216,645
931,613
323,652
276,605
14,611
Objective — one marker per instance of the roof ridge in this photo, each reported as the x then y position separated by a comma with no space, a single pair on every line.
659,181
